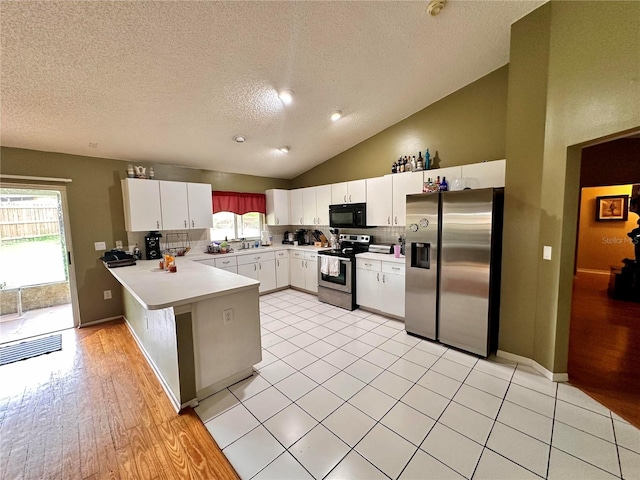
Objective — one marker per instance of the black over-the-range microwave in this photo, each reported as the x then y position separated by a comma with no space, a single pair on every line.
348,215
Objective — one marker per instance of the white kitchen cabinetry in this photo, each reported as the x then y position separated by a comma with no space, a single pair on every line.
296,212
304,270
315,205
227,263
175,205
485,174
200,207
259,266
277,207
380,286
282,268
404,184
141,199
354,191
164,205
379,201
309,206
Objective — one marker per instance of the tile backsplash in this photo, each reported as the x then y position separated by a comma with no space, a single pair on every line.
379,234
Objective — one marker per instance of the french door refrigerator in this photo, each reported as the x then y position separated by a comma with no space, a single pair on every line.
453,262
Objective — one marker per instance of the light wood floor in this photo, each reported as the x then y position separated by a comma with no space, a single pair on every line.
604,346
95,410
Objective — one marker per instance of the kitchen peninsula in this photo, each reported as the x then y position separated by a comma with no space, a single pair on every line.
199,327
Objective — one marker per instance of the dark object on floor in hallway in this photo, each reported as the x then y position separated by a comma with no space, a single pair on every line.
30,349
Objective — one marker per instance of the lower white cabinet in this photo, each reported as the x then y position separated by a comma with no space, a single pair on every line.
259,266
380,285
282,268
304,270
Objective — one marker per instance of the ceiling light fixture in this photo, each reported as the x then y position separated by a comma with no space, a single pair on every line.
285,149
239,138
286,96
435,7
335,116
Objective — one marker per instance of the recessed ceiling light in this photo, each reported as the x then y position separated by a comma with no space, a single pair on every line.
335,116
239,138
286,96
435,7
285,149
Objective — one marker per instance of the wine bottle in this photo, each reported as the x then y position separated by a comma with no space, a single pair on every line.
444,185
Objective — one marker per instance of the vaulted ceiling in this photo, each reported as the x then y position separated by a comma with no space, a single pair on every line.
174,82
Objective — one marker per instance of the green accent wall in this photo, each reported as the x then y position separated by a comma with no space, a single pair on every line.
592,93
467,126
96,211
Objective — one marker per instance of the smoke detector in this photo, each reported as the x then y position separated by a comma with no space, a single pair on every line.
435,7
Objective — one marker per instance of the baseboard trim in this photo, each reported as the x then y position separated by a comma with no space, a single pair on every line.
102,320
593,272
554,377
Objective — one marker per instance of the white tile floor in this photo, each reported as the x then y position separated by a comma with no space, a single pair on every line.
349,395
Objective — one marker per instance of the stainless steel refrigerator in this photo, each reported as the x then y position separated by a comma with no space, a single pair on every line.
453,263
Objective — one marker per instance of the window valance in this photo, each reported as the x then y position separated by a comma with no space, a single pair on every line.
238,202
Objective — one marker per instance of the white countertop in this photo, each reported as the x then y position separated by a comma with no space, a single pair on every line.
385,257
156,289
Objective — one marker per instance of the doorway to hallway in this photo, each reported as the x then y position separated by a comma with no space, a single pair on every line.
37,288
604,335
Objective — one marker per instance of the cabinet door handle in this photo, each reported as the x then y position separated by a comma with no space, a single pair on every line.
395,268
388,220
226,261
193,224
277,262
396,220
158,223
378,276
349,197
300,220
367,264
383,278
255,267
256,258
185,224
260,266
345,199
277,221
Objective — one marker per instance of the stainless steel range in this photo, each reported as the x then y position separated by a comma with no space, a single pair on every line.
337,271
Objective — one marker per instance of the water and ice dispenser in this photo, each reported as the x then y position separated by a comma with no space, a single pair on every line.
421,255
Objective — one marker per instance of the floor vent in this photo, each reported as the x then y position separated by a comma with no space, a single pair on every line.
30,348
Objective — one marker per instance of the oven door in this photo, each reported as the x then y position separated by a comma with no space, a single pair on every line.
343,282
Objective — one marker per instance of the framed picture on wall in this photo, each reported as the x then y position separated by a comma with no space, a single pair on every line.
612,208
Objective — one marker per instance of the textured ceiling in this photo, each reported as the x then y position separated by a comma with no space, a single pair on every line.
174,82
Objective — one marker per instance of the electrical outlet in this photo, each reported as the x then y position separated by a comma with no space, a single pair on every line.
119,244
227,316
107,294
100,246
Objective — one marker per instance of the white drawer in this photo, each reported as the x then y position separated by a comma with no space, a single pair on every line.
366,264
311,256
208,262
256,257
282,254
389,267
225,262
296,254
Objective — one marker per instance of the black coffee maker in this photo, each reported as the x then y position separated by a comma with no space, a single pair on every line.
152,245
300,236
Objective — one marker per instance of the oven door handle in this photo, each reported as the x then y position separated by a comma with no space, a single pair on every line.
345,260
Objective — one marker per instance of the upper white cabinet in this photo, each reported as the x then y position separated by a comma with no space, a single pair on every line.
485,174
379,201
315,205
164,205
309,206
404,184
349,192
141,200
323,200
296,212
200,205
175,205
277,207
